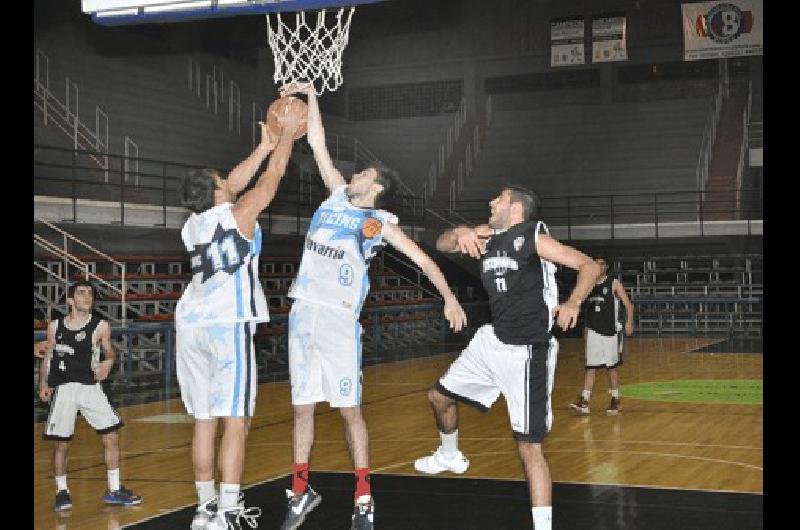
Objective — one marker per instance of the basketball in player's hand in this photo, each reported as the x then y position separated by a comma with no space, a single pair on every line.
282,107
371,228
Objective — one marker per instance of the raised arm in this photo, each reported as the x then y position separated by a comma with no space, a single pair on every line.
588,273
240,176
453,312
620,293
316,135
249,206
465,239
104,368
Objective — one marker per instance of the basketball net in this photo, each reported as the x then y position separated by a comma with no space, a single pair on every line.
309,51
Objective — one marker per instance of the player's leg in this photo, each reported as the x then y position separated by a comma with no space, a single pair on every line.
306,388
338,344
613,361
96,408
205,431
540,485
467,380
59,428
526,376
232,398
63,498
613,389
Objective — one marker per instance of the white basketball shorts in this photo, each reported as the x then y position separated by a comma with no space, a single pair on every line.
603,351
217,371
90,400
523,374
324,355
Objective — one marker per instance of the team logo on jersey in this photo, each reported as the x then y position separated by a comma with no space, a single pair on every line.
63,349
605,290
500,264
371,227
519,242
80,336
345,386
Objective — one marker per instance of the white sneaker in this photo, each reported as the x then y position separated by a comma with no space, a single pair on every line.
205,511
438,462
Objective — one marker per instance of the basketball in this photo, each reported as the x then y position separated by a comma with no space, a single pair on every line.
371,228
282,106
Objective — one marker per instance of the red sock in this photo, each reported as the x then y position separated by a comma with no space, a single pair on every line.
362,482
299,478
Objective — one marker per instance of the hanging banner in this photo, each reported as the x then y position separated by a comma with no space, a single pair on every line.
713,30
566,41
608,38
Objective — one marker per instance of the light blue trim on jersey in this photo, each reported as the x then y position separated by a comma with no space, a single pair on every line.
238,345
239,302
364,289
255,246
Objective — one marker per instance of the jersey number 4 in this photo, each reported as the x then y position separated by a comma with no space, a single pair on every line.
500,283
223,253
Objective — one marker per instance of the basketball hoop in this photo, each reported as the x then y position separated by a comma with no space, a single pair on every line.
309,50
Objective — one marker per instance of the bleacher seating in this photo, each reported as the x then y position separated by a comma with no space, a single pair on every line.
694,294
586,149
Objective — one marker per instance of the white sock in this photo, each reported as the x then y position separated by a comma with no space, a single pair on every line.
228,495
585,394
449,443
61,482
542,517
113,479
614,393
205,490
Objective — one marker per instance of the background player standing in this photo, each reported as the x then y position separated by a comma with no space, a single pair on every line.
332,283
604,336
516,354
216,317
69,379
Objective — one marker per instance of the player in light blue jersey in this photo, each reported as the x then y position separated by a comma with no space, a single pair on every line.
216,318
332,283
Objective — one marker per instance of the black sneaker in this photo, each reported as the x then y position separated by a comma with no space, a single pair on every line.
122,496
363,515
229,518
63,501
613,408
300,506
581,405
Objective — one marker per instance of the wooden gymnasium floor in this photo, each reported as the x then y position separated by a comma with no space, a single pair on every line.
688,446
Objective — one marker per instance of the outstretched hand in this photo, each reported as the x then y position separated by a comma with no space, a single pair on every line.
268,140
470,242
567,315
455,315
297,88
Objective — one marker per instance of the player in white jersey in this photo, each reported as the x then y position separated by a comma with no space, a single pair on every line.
216,318
324,333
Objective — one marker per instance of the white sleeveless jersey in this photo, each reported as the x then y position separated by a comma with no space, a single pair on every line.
341,241
225,286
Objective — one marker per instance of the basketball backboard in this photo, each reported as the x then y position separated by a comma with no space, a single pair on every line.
120,12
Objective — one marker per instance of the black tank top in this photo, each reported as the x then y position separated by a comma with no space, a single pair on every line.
74,355
602,308
516,281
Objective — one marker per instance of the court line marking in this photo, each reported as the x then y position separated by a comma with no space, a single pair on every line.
643,453
516,479
430,439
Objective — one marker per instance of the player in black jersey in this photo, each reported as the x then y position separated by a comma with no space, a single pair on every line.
515,355
604,324
69,379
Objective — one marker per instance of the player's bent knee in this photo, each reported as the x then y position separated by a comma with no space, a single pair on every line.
438,399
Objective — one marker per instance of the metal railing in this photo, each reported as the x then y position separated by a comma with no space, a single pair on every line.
67,260
65,116
65,173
